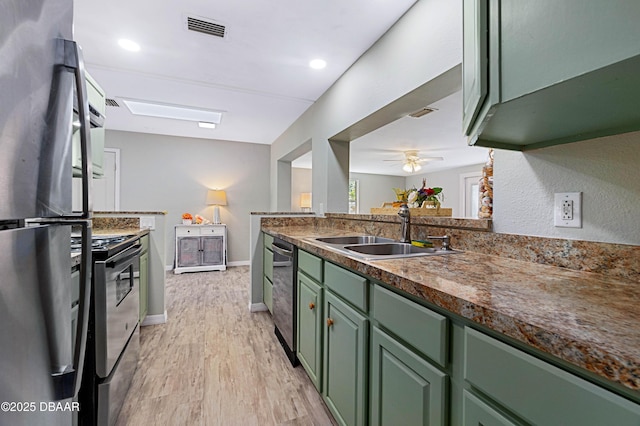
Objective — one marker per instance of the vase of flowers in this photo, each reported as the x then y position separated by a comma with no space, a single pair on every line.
187,219
425,197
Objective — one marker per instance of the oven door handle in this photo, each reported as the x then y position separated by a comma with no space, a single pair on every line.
281,251
126,256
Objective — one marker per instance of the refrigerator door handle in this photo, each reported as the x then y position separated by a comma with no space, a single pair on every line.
67,383
74,59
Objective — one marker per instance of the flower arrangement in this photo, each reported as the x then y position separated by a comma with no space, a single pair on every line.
417,197
187,218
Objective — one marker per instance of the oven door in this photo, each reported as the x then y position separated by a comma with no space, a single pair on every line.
117,305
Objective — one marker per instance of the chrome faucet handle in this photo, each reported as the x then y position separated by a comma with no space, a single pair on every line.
405,226
446,240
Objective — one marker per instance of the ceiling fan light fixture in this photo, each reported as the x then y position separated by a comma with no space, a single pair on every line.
411,167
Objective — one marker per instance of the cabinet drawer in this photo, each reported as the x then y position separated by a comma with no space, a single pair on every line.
268,240
538,392
310,265
420,327
189,230
215,230
352,287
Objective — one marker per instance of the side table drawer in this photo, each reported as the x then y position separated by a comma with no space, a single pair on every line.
187,231
212,230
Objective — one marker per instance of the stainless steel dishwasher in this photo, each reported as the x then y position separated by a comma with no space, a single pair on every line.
284,296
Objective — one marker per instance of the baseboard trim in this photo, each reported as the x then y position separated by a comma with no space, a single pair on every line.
155,319
239,263
257,307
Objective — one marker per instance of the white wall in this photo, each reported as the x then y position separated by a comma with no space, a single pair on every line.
376,189
300,182
424,43
173,174
449,181
605,170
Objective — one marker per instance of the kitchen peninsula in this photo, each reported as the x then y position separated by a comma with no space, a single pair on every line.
153,223
558,305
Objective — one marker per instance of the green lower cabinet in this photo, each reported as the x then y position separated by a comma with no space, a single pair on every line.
477,413
345,361
267,293
405,389
537,392
144,285
310,322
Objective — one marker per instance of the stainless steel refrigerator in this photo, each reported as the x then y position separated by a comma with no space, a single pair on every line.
43,101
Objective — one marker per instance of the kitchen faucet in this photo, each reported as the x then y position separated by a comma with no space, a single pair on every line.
405,227
446,241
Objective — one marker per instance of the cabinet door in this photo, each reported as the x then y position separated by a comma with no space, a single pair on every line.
144,285
475,59
310,328
345,361
267,293
405,389
188,251
212,250
267,266
477,413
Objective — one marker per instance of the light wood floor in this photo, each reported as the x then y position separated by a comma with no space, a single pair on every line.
215,363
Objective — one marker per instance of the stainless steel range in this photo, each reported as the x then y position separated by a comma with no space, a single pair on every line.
113,340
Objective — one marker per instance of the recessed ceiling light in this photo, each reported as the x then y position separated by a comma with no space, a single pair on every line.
129,45
318,64
206,125
177,112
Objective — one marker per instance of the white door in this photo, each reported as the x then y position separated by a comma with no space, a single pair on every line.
106,191
470,198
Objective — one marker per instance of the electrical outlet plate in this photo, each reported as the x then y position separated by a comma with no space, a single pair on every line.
567,209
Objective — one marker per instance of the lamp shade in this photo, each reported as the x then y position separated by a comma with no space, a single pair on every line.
305,200
217,197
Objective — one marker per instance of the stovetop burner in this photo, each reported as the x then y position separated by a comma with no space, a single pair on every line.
104,245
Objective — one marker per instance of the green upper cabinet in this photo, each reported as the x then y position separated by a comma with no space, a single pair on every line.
544,73
97,100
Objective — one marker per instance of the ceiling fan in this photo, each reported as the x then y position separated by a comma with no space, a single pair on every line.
412,161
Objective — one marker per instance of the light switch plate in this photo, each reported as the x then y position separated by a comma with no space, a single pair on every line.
567,210
147,222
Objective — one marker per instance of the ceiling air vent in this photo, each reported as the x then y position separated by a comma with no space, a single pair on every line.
421,112
112,103
206,27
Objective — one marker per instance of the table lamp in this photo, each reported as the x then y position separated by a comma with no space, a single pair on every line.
305,201
217,198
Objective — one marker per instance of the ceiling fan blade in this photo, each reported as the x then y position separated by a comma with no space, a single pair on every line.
424,159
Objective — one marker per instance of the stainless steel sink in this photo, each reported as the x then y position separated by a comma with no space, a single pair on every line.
395,250
371,247
359,239
389,249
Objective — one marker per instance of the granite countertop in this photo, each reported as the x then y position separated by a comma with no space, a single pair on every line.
589,320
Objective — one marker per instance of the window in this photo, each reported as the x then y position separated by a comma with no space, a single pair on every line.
354,198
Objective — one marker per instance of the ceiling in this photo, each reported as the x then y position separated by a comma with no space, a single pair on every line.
257,75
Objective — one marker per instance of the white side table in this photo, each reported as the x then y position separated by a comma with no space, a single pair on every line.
201,248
